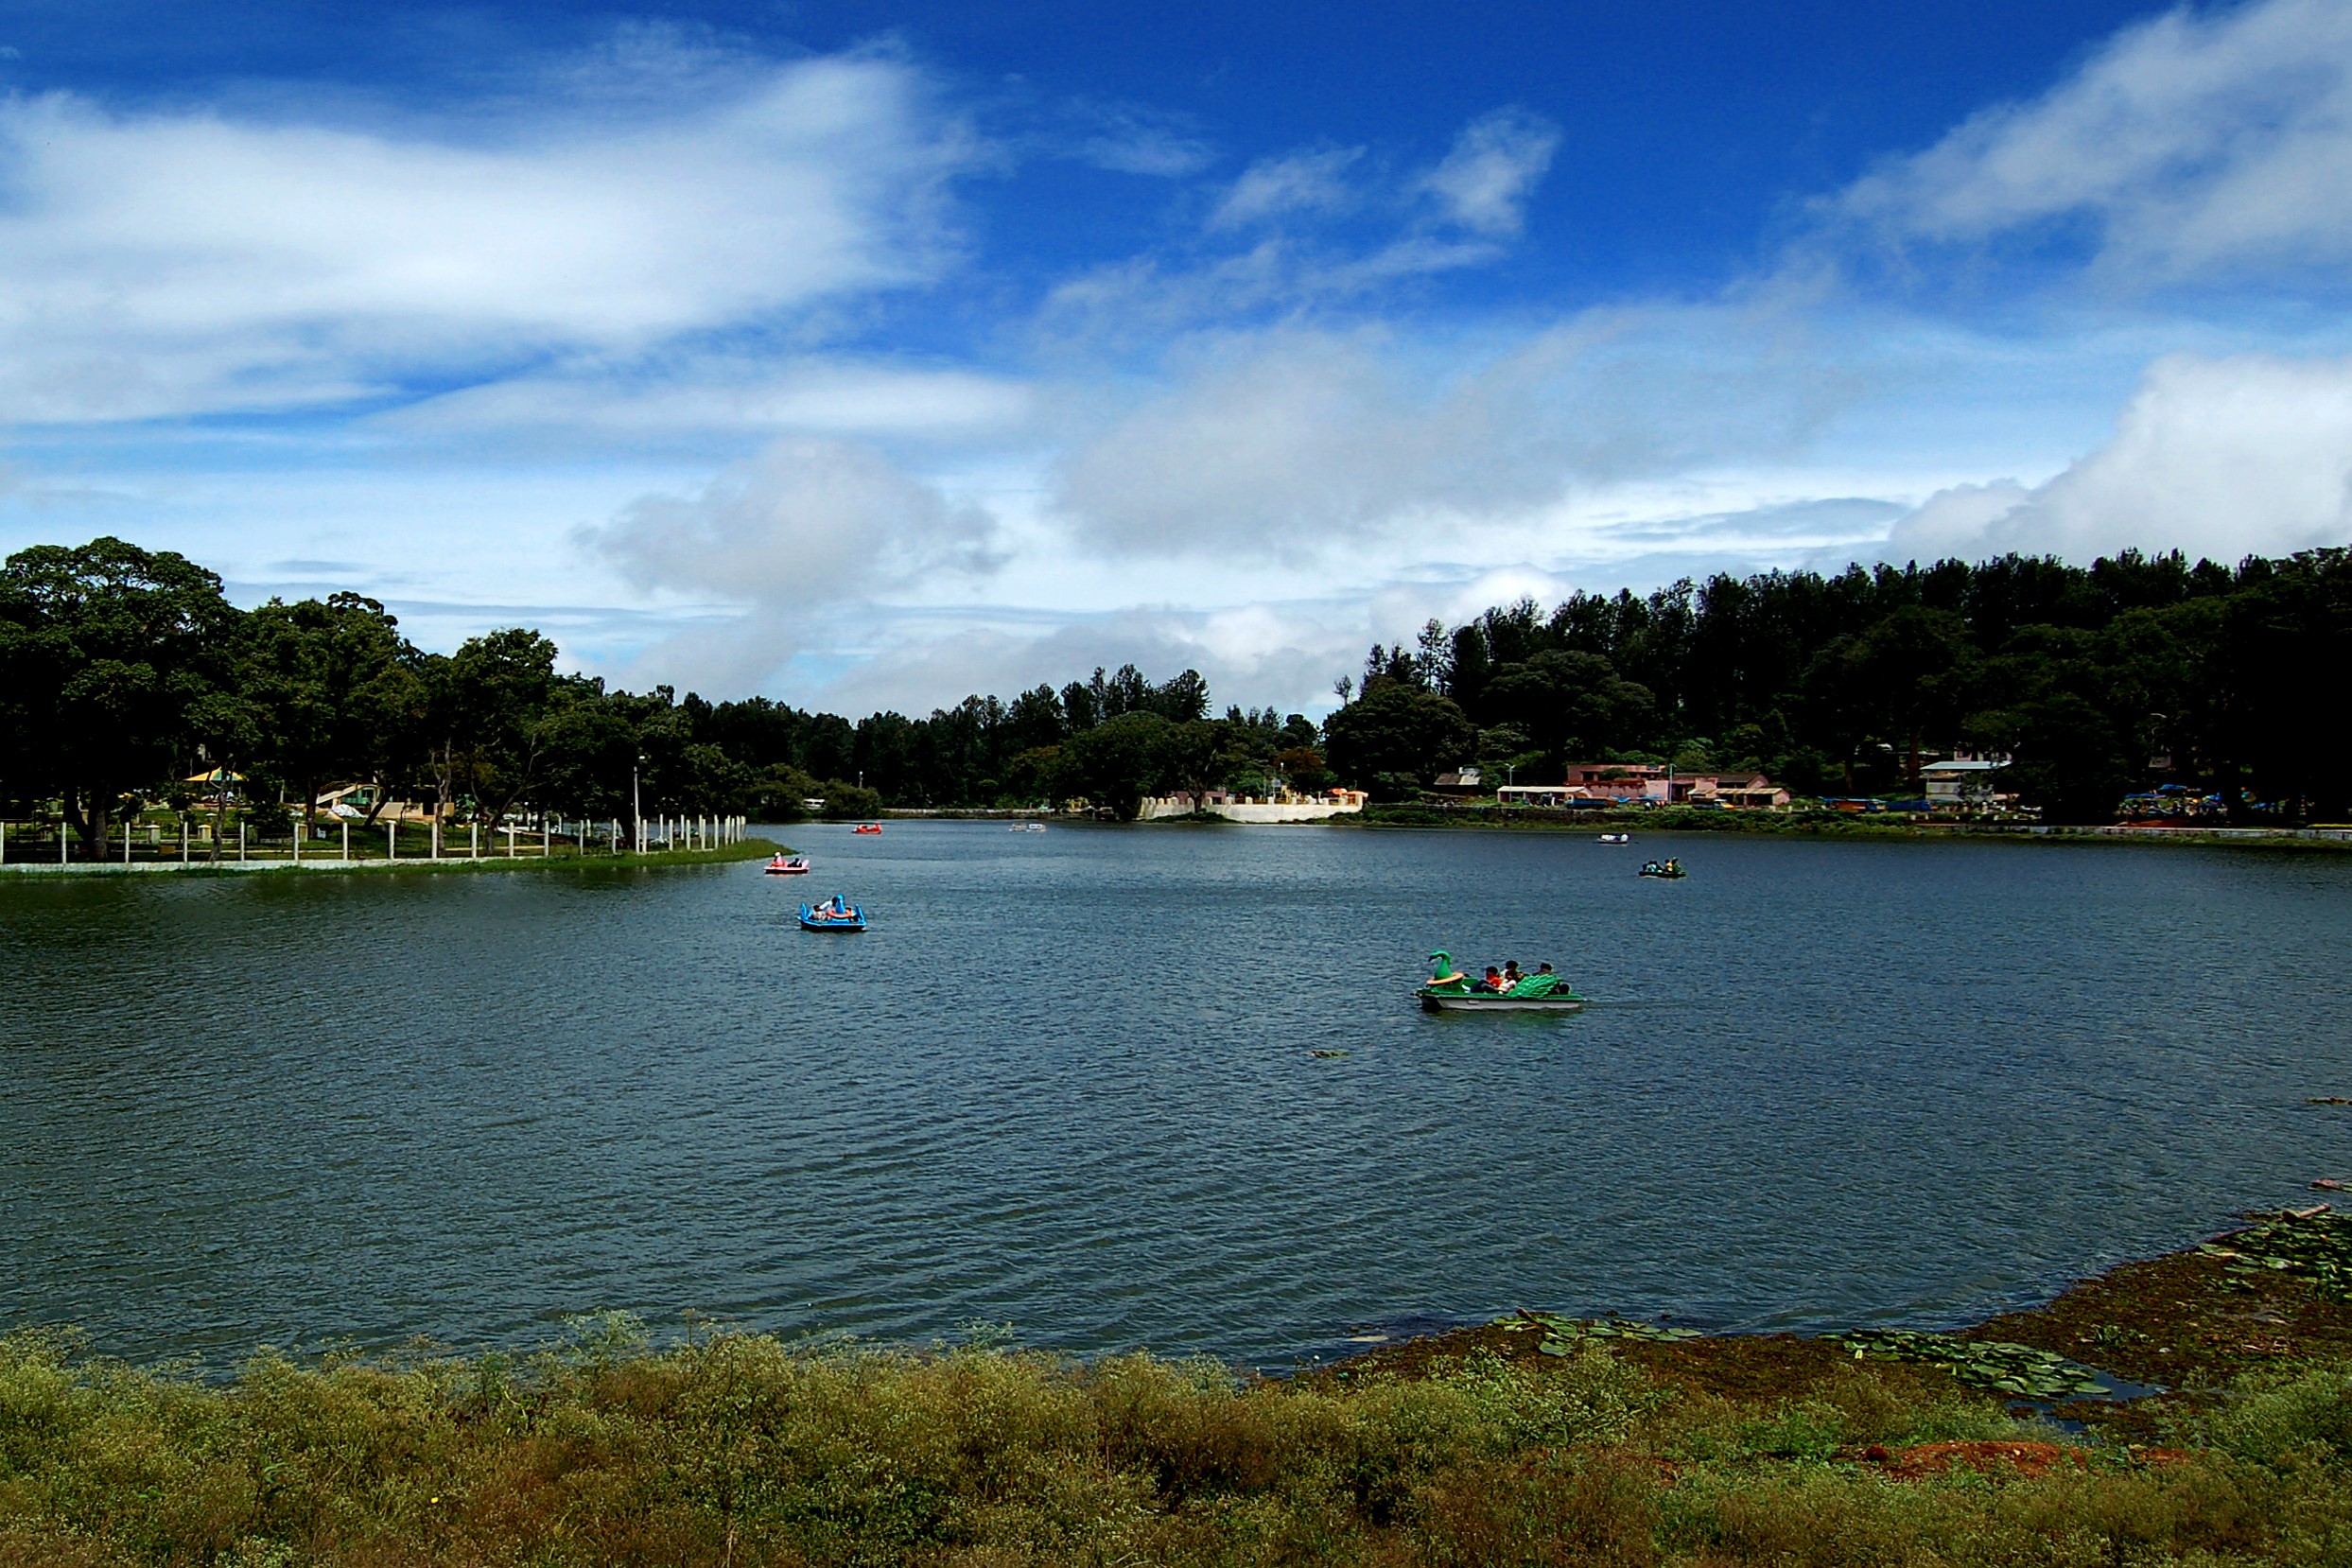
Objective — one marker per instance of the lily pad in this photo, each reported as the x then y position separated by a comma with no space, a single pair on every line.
2020,1371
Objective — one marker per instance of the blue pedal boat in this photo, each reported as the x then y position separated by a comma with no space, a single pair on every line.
835,914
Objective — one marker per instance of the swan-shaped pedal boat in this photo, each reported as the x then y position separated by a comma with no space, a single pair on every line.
1449,990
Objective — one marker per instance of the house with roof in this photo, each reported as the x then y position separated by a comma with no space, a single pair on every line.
1966,786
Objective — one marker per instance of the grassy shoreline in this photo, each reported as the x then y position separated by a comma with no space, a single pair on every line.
1529,1440
1831,826
748,849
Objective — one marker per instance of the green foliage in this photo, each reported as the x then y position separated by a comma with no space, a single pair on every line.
109,658
846,802
1395,735
2302,1414
123,670
1837,684
738,1449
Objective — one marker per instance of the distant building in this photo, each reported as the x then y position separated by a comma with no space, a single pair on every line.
1647,784
1965,785
1464,781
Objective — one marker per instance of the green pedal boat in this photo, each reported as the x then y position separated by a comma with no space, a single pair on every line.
1449,990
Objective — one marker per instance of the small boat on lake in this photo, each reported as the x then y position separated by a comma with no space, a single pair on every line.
787,866
1027,828
1615,838
1449,990
867,827
1668,870
835,914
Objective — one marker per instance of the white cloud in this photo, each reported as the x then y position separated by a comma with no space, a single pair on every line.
2219,458
2191,143
1295,182
1295,443
1131,139
1496,161
165,263
808,522
725,394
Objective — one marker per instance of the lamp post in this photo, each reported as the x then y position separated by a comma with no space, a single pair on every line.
637,812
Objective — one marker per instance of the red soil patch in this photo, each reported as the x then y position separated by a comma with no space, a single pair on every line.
2027,1461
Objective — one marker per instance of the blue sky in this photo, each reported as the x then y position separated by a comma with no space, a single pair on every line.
871,354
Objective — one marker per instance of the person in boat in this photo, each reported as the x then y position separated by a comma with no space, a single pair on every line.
1494,979
1510,973
1545,967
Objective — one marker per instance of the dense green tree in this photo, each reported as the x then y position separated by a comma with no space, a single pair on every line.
111,657
1115,764
1397,736
335,690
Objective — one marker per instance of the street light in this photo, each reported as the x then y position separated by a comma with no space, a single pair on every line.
636,811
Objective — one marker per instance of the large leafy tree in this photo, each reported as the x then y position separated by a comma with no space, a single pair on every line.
489,704
1116,763
1398,734
334,688
109,656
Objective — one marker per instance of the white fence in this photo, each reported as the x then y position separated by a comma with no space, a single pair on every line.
191,843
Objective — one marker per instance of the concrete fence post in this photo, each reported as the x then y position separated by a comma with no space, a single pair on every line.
346,842
473,840
126,842
240,841
183,837
392,841
436,849
298,841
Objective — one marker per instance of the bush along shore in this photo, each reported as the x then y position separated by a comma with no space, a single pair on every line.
562,857
1535,1439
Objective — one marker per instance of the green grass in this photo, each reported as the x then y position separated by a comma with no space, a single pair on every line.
741,1449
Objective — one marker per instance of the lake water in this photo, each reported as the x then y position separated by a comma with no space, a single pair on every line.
1067,1083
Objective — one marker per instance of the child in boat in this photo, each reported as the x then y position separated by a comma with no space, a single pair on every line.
1494,979
1510,973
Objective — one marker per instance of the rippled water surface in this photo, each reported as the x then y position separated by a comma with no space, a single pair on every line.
1068,1083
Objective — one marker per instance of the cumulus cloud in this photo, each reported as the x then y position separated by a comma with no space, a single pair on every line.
1313,181
1484,183
2190,143
1295,443
808,522
173,262
2221,458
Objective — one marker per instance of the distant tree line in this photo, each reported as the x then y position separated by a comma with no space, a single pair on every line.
2097,680
125,672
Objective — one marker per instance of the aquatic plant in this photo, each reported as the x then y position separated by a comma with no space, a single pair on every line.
2314,1247
2019,1370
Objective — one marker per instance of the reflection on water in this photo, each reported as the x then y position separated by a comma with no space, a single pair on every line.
1070,1082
